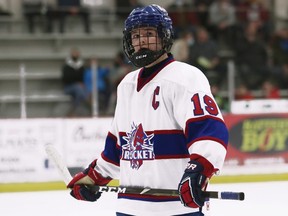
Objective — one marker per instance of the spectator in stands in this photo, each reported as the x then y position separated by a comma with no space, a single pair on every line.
222,21
102,83
204,55
257,12
243,93
66,8
181,46
279,46
202,7
183,15
251,58
72,79
270,90
33,10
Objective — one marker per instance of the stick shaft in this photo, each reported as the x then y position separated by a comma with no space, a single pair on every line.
166,192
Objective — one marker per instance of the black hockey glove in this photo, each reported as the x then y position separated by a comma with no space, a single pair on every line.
194,181
82,192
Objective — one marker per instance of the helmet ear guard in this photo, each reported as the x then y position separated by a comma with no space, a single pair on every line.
149,16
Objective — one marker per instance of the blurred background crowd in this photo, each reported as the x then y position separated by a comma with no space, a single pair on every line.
252,34
245,31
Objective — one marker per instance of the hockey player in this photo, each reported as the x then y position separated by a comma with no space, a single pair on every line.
167,131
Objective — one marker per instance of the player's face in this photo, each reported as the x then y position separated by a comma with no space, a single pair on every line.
146,38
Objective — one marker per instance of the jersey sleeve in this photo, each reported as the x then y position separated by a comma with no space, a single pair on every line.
109,162
196,111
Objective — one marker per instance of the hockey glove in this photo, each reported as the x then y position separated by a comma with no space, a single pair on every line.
194,181
81,181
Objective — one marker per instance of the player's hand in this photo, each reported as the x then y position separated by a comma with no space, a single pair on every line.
194,181
81,181
82,192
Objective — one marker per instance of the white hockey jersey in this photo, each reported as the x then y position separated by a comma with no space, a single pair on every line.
159,122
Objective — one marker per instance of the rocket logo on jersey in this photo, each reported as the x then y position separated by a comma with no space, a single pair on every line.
138,148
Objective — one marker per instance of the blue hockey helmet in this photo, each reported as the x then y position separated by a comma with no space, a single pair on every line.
148,16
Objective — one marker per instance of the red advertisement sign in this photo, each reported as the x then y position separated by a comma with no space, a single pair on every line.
257,139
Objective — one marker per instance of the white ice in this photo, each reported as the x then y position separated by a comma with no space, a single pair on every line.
261,199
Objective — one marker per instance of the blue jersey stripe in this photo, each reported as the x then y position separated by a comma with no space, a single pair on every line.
111,151
170,145
207,128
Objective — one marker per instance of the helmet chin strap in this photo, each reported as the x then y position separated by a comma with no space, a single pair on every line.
145,57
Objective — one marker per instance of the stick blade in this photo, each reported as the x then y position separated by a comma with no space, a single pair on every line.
54,155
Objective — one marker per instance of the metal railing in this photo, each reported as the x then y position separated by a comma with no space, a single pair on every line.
23,97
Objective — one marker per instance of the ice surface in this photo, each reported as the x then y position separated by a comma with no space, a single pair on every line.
261,198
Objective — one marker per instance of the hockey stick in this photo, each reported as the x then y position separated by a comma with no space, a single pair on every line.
64,172
166,192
